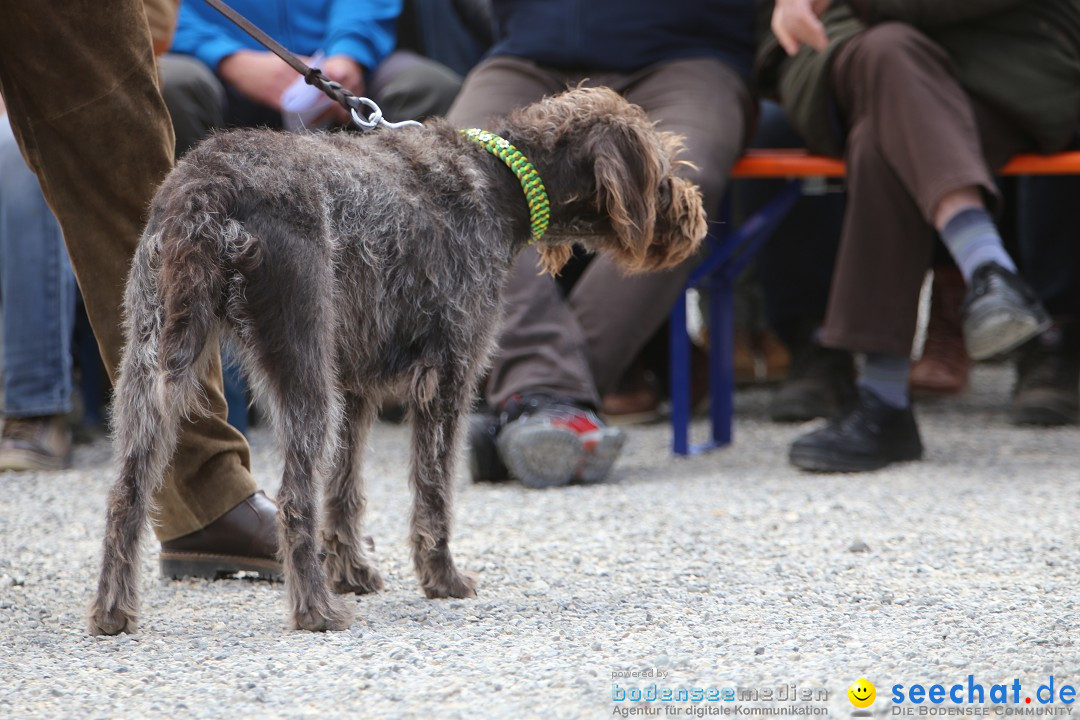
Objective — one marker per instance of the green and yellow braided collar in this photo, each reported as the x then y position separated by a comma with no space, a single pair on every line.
535,194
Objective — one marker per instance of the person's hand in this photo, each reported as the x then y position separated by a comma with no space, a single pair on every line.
343,69
258,76
346,71
796,23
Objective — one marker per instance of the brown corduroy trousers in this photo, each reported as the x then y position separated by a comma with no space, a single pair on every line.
80,83
913,136
579,346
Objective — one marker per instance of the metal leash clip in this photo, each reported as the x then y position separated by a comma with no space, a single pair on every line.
375,118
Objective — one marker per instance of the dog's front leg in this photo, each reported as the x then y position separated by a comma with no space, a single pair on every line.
348,565
436,436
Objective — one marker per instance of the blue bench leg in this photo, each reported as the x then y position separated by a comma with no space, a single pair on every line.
721,358
721,386
679,377
731,251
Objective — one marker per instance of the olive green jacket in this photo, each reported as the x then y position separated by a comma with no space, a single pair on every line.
1021,56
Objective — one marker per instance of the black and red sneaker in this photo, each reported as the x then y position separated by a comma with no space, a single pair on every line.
547,441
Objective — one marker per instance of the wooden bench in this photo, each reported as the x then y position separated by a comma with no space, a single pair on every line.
731,249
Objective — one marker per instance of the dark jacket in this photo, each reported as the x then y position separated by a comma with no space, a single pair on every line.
1020,56
625,35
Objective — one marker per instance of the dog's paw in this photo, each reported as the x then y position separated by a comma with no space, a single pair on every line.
333,614
348,568
350,572
359,580
455,585
111,622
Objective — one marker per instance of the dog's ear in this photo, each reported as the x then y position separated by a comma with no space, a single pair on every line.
627,167
681,227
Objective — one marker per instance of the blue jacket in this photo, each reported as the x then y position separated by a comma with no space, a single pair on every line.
625,35
362,29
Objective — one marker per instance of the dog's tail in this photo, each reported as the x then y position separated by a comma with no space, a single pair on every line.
168,317
174,309
191,282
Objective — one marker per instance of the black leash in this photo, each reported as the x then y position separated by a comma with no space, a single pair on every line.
313,76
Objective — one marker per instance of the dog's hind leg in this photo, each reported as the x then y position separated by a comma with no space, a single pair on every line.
149,433
437,422
348,565
146,413
305,413
289,338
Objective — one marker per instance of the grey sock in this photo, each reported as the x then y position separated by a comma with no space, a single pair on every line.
887,377
972,239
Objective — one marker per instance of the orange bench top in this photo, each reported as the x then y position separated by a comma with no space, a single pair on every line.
799,163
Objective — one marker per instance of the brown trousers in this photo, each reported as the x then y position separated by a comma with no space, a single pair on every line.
80,83
579,346
914,135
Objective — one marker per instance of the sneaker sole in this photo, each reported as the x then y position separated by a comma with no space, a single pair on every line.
816,460
544,457
541,455
999,331
600,458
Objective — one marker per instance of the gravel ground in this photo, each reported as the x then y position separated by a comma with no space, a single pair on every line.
726,570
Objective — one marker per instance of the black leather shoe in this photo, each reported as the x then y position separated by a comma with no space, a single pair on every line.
820,383
870,437
1048,378
245,539
485,464
1000,312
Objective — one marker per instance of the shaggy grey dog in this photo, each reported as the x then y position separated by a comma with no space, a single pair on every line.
343,267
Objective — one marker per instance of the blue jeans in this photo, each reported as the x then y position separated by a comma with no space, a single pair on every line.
37,293
37,300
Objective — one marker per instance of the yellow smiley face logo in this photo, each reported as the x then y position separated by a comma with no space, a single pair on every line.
862,693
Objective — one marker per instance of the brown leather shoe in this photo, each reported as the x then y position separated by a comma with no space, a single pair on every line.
776,356
35,444
245,539
744,359
635,401
944,366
